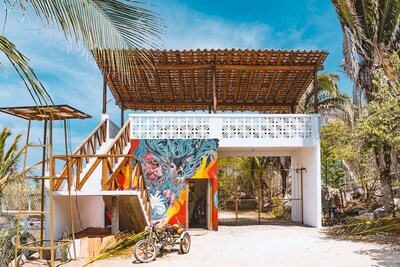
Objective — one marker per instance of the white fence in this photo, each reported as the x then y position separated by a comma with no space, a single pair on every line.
255,130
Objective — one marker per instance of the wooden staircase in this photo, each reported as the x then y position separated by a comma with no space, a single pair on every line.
97,165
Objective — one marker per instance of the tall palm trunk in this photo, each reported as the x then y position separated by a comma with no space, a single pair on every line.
283,172
383,159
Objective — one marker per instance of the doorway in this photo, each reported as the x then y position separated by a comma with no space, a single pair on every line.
198,203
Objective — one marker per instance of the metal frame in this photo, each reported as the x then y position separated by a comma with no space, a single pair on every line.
258,191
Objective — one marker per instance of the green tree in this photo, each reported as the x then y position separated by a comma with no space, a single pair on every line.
370,36
379,128
9,158
109,28
334,135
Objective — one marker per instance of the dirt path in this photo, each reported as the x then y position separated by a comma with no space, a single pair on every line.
269,246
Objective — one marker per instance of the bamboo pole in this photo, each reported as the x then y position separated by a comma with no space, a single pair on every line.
122,114
42,184
71,214
104,111
51,175
22,185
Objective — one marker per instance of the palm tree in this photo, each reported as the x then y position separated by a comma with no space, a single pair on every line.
370,36
332,104
9,159
371,33
109,28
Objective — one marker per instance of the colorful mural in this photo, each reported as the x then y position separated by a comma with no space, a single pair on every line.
167,164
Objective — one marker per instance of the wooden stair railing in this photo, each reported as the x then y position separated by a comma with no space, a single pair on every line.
112,162
113,152
86,148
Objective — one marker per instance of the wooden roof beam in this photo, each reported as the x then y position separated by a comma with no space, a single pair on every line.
114,90
229,59
238,79
220,104
273,78
158,86
181,85
281,87
251,78
214,89
233,67
305,85
125,89
146,85
260,84
292,86
270,86
171,94
192,85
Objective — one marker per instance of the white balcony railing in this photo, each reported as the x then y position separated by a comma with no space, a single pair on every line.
255,130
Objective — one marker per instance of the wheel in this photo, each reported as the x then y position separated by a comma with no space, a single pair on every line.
185,243
145,251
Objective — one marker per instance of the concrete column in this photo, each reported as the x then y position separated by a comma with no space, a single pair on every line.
115,215
309,158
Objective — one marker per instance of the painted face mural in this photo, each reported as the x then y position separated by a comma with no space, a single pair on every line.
167,163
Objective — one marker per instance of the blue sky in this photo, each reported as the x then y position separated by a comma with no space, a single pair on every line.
71,77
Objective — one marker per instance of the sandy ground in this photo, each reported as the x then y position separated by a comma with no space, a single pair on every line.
267,245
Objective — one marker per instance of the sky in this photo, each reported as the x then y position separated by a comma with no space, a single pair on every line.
71,76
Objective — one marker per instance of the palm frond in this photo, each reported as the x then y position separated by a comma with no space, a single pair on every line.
348,17
9,159
350,63
366,227
338,112
390,21
115,26
116,248
20,63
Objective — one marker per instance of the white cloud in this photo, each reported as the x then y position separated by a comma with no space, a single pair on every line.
193,30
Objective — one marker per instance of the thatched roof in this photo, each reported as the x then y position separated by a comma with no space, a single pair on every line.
235,80
53,112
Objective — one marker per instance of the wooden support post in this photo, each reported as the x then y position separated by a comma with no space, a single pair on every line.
122,114
315,91
293,108
115,215
69,182
51,176
104,93
103,173
42,183
22,186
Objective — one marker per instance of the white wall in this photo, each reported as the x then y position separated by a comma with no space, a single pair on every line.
309,158
91,212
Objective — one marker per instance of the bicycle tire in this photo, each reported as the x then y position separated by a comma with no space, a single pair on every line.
145,251
185,243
